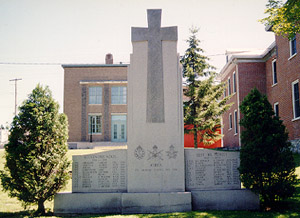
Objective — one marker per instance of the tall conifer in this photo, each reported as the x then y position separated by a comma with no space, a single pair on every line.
204,108
267,165
36,165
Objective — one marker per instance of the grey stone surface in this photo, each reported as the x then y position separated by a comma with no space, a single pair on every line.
106,115
156,202
242,199
210,170
154,34
296,146
72,145
87,203
83,113
125,203
155,149
100,172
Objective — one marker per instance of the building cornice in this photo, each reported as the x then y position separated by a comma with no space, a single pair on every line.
87,82
240,58
93,65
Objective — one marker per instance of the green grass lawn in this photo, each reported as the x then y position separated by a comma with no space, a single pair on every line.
11,207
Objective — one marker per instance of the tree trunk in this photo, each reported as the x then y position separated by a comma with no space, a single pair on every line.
41,207
195,139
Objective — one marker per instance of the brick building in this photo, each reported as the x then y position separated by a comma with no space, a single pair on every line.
274,72
95,101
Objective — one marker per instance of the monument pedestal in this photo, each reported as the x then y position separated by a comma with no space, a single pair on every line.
122,203
239,199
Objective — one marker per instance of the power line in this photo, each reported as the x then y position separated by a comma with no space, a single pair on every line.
16,80
53,64
23,63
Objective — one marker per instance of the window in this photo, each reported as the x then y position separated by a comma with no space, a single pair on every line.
234,82
293,48
230,121
229,87
276,109
95,124
274,71
118,95
296,103
95,95
235,122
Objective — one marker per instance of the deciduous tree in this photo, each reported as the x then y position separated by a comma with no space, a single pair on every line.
284,18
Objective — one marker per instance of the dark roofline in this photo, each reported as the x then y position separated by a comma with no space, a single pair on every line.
268,28
93,65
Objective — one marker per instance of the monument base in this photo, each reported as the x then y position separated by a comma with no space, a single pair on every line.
122,203
240,199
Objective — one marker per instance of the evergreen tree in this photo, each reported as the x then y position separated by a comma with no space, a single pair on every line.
267,166
36,165
204,108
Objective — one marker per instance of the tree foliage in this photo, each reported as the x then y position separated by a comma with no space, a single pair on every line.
204,108
267,166
283,17
36,165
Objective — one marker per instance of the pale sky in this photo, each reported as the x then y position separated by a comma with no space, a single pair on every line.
83,31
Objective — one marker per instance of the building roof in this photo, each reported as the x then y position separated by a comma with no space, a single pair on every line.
258,55
93,65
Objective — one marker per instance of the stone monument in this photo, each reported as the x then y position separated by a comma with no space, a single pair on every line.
155,117
155,174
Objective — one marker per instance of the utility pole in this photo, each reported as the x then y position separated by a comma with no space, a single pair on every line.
15,94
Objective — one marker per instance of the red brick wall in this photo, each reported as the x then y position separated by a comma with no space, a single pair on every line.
230,139
258,73
288,70
249,75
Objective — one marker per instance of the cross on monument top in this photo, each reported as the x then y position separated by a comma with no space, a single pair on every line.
154,18
154,34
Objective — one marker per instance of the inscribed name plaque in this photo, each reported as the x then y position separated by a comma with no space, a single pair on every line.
209,170
100,172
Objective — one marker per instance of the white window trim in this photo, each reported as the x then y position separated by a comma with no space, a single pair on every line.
292,55
230,122
293,100
273,73
101,95
95,114
235,117
111,95
229,85
118,114
234,82
274,106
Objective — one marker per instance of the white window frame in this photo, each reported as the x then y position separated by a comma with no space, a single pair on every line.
119,97
276,104
234,82
291,51
230,121
89,125
293,93
274,72
235,117
90,92
229,86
